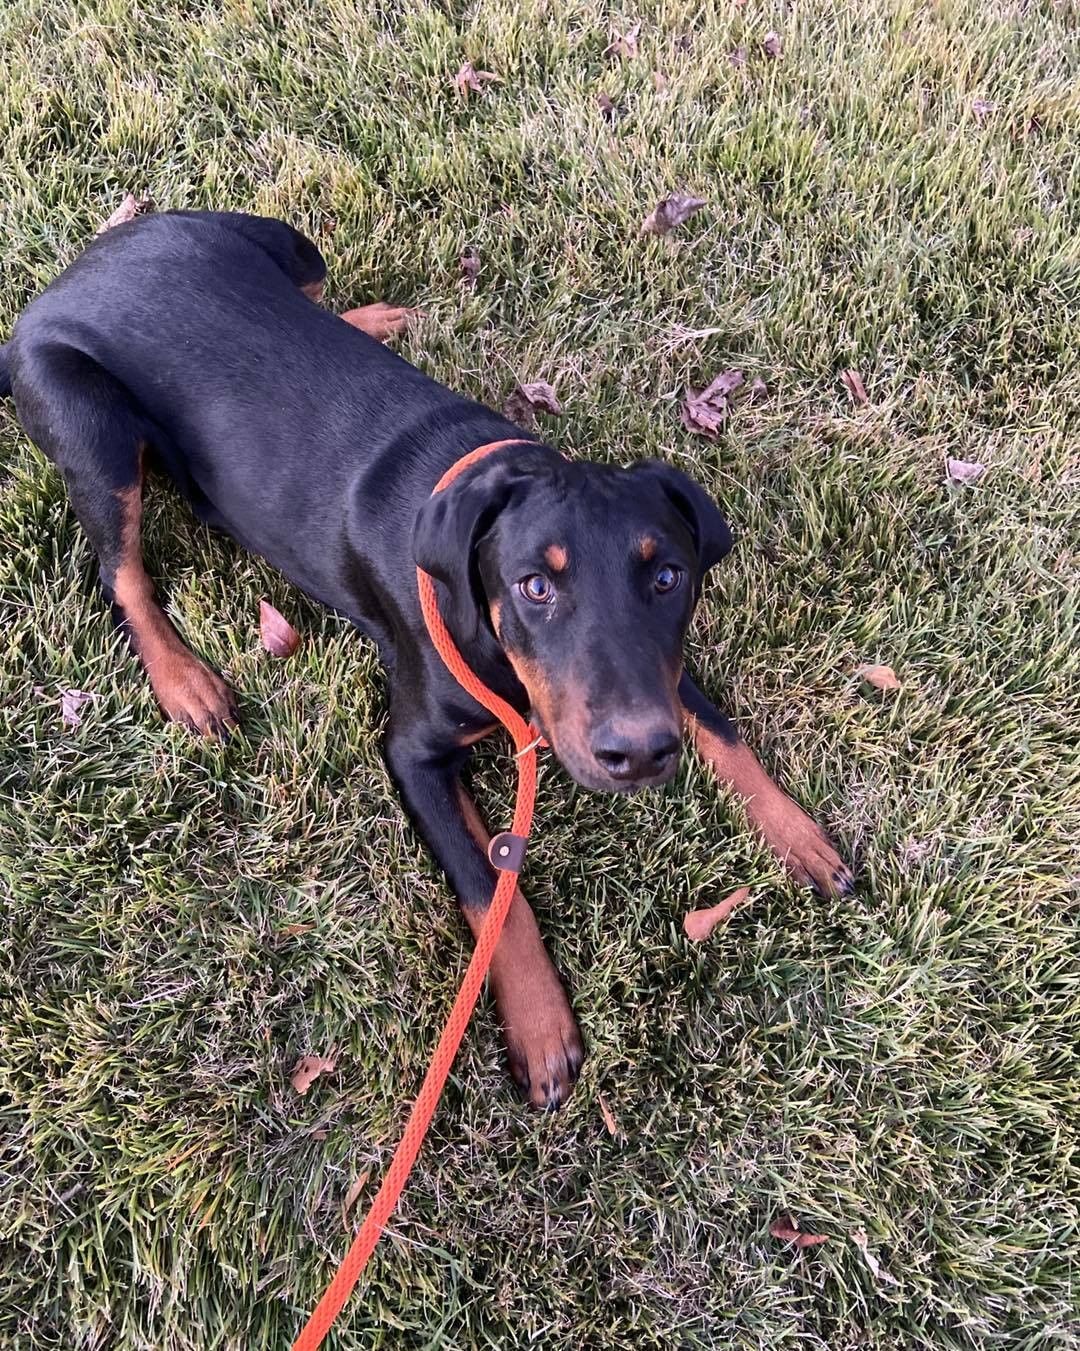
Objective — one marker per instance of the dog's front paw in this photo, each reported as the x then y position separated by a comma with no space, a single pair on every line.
801,846
543,1044
191,694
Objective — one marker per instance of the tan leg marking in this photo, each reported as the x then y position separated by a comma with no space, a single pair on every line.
381,321
543,1043
187,690
793,837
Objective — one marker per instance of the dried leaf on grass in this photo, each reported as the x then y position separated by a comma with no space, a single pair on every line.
610,1124
128,209
964,471
606,106
670,212
278,636
854,386
469,262
773,46
758,390
525,401
72,702
352,1194
858,1237
624,45
784,1229
469,79
307,1069
881,677
290,930
699,924
705,412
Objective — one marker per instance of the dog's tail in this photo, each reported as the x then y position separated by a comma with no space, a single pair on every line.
5,378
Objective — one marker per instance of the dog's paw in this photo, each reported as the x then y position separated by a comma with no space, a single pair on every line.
543,1044
802,847
191,694
381,321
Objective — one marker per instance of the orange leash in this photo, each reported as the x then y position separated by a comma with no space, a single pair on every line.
525,741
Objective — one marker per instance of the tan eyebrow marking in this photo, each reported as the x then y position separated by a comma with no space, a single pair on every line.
556,557
647,547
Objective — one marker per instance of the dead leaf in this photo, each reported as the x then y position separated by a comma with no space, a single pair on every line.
699,924
758,390
624,45
881,677
858,1237
128,209
784,1229
607,108
706,412
319,1134
964,471
524,401
610,1124
982,108
772,45
381,321
351,1195
290,930
469,78
278,636
469,262
671,211
660,81
72,703
853,384
307,1069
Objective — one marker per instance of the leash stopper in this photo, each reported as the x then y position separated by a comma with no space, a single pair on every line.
506,852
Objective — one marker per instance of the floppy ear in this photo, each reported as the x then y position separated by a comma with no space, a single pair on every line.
711,533
449,527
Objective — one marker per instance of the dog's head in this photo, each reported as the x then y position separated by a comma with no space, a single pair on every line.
587,576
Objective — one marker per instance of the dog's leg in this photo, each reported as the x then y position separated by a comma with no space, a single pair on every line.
792,836
542,1040
381,321
87,424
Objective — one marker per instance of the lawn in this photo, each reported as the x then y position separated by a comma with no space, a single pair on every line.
896,193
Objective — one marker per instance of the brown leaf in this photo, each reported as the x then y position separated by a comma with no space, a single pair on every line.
72,703
772,45
706,412
278,636
699,924
982,109
669,212
469,262
610,1124
307,1069
624,45
524,401
469,78
290,930
607,108
320,1134
128,209
381,321
858,1237
352,1194
964,471
660,81
758,390
881,677
784,1229
853,384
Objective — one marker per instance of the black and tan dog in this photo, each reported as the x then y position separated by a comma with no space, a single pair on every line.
190,341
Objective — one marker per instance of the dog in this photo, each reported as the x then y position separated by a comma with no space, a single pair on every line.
189,341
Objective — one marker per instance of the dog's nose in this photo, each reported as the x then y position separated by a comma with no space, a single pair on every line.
644,754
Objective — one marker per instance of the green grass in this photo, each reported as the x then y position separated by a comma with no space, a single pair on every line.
903,1061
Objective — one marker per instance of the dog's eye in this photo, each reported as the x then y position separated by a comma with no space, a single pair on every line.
667,578
537,589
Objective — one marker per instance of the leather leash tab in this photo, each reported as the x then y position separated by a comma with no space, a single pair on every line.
506,852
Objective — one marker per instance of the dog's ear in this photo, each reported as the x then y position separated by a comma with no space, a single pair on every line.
711,533
448,529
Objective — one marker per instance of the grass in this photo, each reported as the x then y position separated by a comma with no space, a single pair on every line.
903,1061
